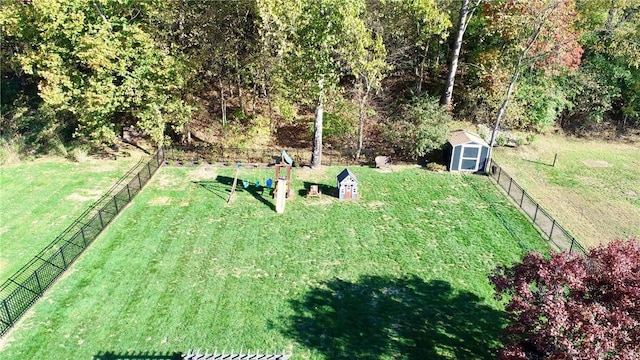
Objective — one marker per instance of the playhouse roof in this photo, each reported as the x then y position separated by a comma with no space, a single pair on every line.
286,158
346,173
459,137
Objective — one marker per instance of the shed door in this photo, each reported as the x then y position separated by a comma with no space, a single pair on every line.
348,194
470,158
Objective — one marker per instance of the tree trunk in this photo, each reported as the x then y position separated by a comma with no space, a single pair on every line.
361,119
223,103
447,96
420,73
512,83
253,99
239,86
316,154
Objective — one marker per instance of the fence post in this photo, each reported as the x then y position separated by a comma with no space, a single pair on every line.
129,192
6,309
100,217
139,181
148,170
499,173
522,198
510,182
115,202
84,239
571,247
64,261
535,216
38,281
553,225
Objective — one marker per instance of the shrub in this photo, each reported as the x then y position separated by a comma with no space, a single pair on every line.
422,126
433,166
569,306
78,155
11,151
531,138
501,140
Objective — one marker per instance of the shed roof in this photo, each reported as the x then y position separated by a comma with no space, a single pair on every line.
459,137
346,173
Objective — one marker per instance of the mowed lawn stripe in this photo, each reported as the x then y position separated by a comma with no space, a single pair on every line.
40,199
180,269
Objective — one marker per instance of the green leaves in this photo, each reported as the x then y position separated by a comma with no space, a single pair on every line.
422,125
92,62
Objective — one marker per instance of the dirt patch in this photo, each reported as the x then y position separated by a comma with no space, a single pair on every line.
597,163
309,174
168,181
92,196
322,201
204,172
160,201
376,204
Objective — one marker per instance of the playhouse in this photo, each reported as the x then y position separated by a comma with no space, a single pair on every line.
347,185
466,151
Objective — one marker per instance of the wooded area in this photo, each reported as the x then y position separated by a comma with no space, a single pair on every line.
351,73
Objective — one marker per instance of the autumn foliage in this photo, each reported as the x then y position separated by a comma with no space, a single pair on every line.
569,306
555,46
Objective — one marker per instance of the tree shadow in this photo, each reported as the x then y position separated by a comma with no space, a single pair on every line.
326,190
137,355
381,317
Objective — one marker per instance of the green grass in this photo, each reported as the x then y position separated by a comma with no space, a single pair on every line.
40,199
594,189
400,273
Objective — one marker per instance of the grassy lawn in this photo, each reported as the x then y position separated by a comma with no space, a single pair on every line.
40,199
400,273
594,189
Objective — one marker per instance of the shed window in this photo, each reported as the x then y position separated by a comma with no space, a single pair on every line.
471,152
470,158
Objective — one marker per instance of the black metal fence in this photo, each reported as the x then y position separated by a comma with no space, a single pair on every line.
554,232
22,289
221,155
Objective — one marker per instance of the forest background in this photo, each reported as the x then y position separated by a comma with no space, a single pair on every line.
357,74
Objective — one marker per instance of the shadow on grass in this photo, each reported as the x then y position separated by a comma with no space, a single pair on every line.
381,317
539,162
214,186
326,190
138,355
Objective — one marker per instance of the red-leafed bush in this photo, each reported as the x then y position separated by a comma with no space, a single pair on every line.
567,306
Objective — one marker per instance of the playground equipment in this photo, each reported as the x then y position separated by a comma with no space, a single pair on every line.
284,161
259,180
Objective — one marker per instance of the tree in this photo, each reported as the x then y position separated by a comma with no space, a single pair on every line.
422,126
367,62
95,62
320,53
607,87
540,34
568,306
463,21
409,29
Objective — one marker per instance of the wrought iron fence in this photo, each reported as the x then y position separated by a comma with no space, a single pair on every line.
553,231
210,154
23,288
